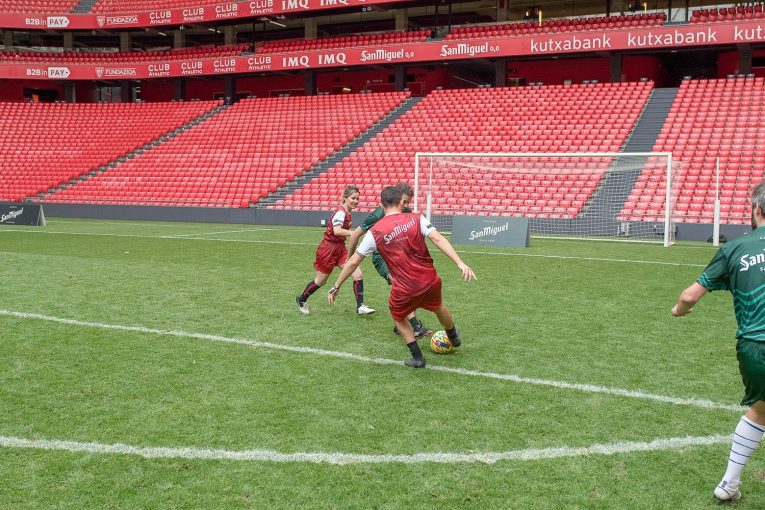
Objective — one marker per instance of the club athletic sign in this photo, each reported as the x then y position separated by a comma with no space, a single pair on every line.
624,40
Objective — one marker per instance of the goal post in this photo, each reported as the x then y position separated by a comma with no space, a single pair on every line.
607,195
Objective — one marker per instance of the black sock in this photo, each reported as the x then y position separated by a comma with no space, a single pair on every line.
415,349
358,289
309,289
416,324
452,333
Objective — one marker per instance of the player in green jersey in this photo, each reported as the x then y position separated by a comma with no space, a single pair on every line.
739,267
377,260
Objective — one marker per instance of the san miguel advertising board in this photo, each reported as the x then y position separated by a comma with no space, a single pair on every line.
175,16
21,213
645,38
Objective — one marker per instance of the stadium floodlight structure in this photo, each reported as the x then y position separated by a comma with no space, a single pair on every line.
606,195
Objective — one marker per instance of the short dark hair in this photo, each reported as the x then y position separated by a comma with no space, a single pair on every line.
391,196
405,189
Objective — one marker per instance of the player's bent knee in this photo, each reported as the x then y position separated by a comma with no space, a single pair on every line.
756,413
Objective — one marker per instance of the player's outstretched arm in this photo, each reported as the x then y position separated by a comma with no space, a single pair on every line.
354,239
348,268
687,299
341,232
446,247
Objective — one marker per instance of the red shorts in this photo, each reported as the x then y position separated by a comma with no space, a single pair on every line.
400,306
329,255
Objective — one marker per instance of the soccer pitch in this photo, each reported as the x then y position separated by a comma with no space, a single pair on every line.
165,365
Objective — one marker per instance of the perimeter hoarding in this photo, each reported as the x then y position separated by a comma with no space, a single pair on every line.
636,39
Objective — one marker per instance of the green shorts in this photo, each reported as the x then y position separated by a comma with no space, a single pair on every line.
751,364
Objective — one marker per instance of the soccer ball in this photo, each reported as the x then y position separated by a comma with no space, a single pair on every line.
439,343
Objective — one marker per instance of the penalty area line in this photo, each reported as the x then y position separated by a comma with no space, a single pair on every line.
196,237
587,388
339,458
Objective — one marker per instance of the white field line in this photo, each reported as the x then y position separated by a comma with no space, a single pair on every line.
571,257
180,224
173,236
468,252
340,458
587,388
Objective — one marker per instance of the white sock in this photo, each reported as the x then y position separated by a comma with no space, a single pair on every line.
746,439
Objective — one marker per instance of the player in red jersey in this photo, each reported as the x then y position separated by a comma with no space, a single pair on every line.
400,239
331,252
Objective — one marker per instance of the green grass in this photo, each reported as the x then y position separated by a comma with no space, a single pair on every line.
589,313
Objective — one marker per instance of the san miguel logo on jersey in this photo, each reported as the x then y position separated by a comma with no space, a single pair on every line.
400,229
747,261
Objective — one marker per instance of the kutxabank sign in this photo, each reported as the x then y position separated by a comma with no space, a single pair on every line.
638,39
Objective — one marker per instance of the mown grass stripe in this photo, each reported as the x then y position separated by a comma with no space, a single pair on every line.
190,237
588,388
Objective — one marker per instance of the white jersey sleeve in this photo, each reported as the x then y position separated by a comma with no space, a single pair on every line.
425,226
367,246
338,218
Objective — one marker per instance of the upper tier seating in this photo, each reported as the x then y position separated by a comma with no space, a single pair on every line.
38,6
45,145
576,118
114,6
344,41
722,118
557,26
727,14
239,155
71,57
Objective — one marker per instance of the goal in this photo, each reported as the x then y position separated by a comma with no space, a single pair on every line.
608,195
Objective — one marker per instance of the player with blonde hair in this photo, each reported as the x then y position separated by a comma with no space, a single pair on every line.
332,253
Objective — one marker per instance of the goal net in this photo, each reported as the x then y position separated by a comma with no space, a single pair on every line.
622,195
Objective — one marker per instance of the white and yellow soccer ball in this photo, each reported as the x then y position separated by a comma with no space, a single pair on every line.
439,343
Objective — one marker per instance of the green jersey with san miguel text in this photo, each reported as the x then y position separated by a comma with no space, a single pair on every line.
739,266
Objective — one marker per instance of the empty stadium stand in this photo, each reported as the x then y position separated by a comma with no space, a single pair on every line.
114,6
727,14
344,41
238,156
709,119
576,118
46,145
38,6
71,57
557,26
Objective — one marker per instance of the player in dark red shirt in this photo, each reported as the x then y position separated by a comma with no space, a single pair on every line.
382,268
332,252
400,239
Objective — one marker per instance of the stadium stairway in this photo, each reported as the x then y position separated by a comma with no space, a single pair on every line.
615,188
597,218
339,155
135,153
643,137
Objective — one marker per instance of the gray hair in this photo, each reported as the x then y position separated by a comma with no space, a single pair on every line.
758,196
